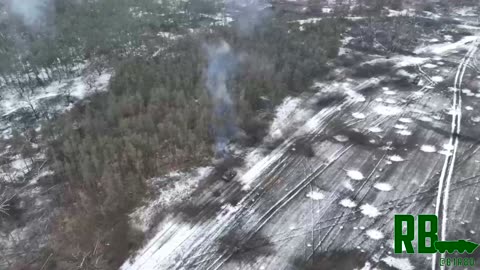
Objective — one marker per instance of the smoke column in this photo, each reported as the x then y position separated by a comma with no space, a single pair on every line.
247,14
221,63
33,13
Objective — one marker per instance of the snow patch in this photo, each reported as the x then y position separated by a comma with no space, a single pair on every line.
181,189
348,185
445,152
375,234
390,93
444,48
375,129
358,115
400,126
348,203
390,101
355,175
418,93
404,132
387,110
398,263
406,61
315,195
425,119
396,158
367,266
309,20
369,210
341,138
383,186
282,115
41,175
469,27
400,13
354,96
405,120
156,251
254,157
428,148
448,146
430,65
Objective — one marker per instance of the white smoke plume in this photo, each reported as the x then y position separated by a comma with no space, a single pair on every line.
247,14
222,60
35,14
221,64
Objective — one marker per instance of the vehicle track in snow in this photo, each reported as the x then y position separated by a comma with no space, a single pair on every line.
444,183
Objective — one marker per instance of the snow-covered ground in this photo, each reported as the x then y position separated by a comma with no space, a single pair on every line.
63,94
73,89
21,176
176,188
378,149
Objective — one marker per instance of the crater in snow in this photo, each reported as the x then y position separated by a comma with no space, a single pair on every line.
437,79
355,175
383,186
358,115
369,210
315,195
348,203
404,132
405,120
396,158
428,148
400,126
375,234
375,129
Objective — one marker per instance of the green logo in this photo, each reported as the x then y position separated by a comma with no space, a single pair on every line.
427,229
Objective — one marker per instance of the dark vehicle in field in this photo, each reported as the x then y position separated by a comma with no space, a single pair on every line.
461,246
229,175
417,80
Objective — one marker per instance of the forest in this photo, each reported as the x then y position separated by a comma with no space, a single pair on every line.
159,113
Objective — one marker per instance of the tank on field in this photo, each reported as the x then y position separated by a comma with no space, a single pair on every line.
229,175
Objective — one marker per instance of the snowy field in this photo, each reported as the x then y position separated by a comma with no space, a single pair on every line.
339,172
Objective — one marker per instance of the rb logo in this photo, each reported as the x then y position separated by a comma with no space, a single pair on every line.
405,240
